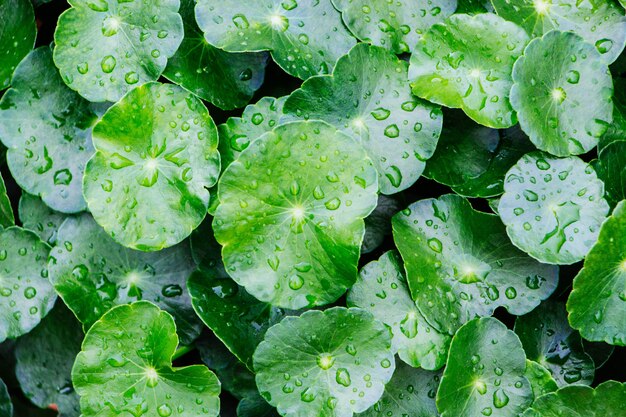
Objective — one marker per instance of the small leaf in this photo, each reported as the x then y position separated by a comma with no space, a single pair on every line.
540,379
382,290
333,362
39,218
562,94
17,36
597,303
291,211
125,367
447,68
485,373
553,207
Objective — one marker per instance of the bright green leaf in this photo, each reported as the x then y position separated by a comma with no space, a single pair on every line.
382,290
6,211
540,379
597,303
6,407
104,48
448,68
553,207
485,373
549,340
600,22
47,128
562,94
125,368
398,131
395,25
611,169
305,38
17,36
460,263
473,159
324,363
410,392
39,218
291,212
156,157
607,399
257,119
44,361
224,79
25,293
92,274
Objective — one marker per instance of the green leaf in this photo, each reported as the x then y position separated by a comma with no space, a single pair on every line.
334,362
92,274
607,399
257,119
238,319
473,159
156,156
291,212
410,392
600,22
305,38
398,25
460,263
6,407
224,79
25,291
378,223
44,361
47,128
549,340
125,367
553,207
39,218
564,102
485,373
382,290
398,131
447,68
596,305
474,6
105,48
17,36
6,211
611,169
540,379
255,406
617,129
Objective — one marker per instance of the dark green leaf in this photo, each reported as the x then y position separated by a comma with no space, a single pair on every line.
17,36
6,407
611,169
6,211
378,223
540,379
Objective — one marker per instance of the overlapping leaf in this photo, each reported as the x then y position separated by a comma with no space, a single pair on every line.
17,36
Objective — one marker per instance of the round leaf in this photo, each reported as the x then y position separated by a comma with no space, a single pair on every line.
540,379
382,290
125,367
597,303
473,159
224,79
600,22
553,207
104,48
39,218
410,392
92,274
607,399
156,156
549,340
398,131
6,211
257,119
485,373
305,38
291,211
448,68
562,94
396,25
334,362
6,407
611,169
47,130
47,354
460,263
17,36
25,293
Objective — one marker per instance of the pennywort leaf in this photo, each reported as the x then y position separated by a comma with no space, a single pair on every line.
6,211
17,36
39,218
611,169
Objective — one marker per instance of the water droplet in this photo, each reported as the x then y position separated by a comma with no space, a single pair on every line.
408,325
172,290
380,113
98,5
83,68
394,175
435,244
342,377
296,282
510,293
131,77
307,396
500,399
392,131
108,64
117,361
164,410
30,292
530,195
333,204
385,363
62,177
257,118
604,45
241,21
350,349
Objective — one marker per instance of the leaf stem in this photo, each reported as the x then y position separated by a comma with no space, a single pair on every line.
182,351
